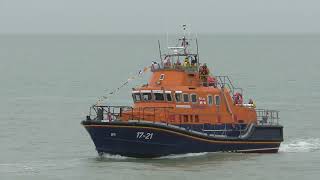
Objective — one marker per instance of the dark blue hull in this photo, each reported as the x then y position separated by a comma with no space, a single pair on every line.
154,140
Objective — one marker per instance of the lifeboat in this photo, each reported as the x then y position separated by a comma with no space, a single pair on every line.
184,108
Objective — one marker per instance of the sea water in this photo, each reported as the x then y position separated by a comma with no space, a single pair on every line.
48,83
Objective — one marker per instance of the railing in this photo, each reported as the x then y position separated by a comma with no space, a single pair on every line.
107,112
264,116
153,114
147,114
224,81
113,113
267,117
191,68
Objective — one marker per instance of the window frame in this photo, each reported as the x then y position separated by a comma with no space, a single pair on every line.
212,99
175,97
142,95
158,92
183,95
193,94
135,97
166,96
215,100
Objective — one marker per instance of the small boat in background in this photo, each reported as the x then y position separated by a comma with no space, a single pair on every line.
184,109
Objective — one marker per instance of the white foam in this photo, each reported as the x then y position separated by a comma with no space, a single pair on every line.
177,156
111,156
173,156
301,145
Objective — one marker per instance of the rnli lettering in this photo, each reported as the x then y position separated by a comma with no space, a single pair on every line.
144,135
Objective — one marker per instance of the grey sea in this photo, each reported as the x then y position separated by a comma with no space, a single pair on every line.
48,82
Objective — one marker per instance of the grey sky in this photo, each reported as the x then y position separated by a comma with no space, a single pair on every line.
158,16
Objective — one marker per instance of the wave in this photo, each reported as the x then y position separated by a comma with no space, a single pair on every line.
187,155
114,157
301,145
173,156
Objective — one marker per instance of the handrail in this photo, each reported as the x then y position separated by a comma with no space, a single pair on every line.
267,117
114,112
226,81
173,66
264,116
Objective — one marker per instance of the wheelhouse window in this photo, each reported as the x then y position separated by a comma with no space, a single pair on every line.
193,98
168,96
146,96
210,100
136,97
185,98
158,95
178,96
217,100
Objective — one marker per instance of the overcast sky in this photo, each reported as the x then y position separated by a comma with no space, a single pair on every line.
158,16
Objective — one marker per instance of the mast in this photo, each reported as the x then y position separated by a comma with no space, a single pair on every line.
197,51
159,50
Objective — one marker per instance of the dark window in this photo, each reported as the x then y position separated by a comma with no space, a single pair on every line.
168,96
185,118
158,96
193,98
178,97
146,96
218,101
137,97
210,100
191,118
134,98
196,118
185,97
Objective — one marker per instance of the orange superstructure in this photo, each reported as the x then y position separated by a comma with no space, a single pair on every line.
182,91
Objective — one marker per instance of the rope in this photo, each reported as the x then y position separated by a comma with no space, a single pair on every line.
114,91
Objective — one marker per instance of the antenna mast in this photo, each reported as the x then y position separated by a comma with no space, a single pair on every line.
159,50
197,50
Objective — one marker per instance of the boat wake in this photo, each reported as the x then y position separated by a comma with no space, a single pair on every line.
106,156
301,145
187,155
